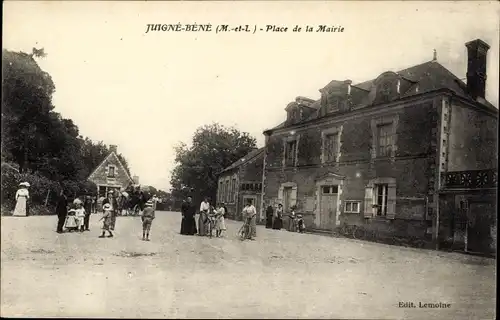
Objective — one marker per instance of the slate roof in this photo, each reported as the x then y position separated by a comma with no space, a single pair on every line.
111,154
427,77
250,156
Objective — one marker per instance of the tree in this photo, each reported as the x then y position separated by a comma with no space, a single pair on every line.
214,147
26,107
35,137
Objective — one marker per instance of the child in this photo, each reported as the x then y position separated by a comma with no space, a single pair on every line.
147,218
300,223
70,222
107,220
80,216
220,224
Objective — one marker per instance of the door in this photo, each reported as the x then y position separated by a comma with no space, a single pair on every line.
328,207
287,197
480,220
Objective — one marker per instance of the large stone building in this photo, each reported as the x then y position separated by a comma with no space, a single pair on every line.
110,174
382,154
241,181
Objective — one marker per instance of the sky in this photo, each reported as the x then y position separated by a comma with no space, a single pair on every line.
146,92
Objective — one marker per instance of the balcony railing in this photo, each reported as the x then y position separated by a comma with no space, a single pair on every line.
473,179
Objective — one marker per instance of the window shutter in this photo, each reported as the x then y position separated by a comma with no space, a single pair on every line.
368,212
280,195
391,202
293,197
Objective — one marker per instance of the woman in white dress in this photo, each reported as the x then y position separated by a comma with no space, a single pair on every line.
220,224
22,196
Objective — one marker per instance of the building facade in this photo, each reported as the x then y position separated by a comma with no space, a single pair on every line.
110,174
376,154
241,181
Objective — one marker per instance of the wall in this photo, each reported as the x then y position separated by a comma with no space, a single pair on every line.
472,139
248,172
121,179
412,165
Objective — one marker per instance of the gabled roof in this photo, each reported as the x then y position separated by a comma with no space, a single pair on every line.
428,76
112,154
249,157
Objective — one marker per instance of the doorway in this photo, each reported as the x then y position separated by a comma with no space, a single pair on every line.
328,206
480,219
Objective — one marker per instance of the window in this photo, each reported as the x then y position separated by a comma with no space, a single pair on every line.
384,140
352,206
226,196
332,104
111,171
331,147
233,190
381,199
291,149
220,191
329,189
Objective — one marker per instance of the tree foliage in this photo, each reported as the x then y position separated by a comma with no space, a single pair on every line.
42,143
214,148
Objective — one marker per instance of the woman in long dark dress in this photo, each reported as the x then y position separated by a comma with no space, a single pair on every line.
188,224
278,218
269,217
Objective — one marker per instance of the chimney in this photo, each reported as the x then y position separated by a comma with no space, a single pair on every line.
136,179
348,84
476,68
113,148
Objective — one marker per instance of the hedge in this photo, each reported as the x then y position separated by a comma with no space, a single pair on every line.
40,187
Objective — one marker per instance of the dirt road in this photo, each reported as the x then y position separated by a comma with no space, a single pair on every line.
281,275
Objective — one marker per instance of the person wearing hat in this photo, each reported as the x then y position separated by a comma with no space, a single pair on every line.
111,200
107,220
147,218
300,224
22,196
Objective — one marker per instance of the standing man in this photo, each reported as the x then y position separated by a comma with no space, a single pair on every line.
114,206
188,224
61,210
204,208
88,210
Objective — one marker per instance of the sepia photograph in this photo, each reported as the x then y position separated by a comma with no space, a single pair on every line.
249,159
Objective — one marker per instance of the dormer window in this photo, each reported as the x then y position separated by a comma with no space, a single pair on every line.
386,89
111,171
333,105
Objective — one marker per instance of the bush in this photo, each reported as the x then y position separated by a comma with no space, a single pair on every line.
40,187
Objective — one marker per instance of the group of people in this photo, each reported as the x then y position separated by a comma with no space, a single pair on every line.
204,221
274,219
74,216
198,222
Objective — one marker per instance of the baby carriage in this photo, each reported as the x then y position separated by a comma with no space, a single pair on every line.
71,222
